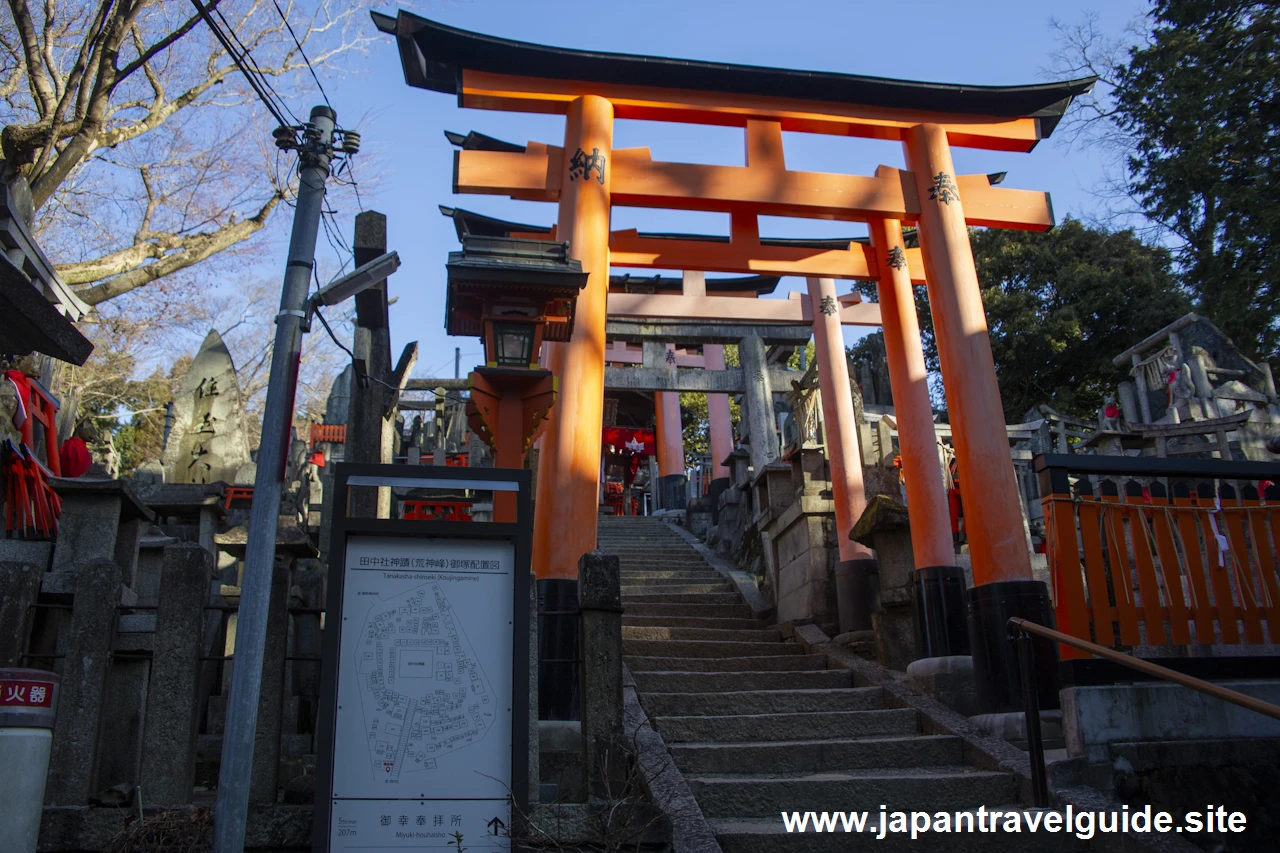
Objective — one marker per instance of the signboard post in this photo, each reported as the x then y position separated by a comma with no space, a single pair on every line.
423,731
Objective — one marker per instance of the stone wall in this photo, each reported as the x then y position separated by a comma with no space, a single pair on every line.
134,606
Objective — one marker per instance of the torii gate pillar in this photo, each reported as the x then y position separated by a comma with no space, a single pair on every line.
565,515
938,588
841,433
988,487
721,429
672,485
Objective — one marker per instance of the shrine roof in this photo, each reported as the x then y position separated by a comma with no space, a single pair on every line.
434,56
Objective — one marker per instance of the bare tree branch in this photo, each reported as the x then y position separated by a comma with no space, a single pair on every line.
97,89
128,269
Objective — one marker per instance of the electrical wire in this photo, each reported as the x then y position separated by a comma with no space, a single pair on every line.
336,243
247,53
260,87
351,181
310,68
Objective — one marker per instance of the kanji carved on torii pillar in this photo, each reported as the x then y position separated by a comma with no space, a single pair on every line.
586,176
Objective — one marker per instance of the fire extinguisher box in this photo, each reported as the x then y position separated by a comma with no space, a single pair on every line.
28,700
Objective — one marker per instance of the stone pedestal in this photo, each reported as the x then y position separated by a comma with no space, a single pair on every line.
124,709
169,748
715,489
266,749
88,644
19,589
150,572
802,540
949,680
673,491
600,606
884,527
101,519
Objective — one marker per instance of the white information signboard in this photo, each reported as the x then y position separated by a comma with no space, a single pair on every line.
422,742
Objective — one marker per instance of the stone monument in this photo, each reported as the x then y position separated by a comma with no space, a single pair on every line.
208,442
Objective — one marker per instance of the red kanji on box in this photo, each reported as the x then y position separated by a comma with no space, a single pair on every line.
26,694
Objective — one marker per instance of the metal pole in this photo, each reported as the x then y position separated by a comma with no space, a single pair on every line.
457,361
255,596
1031,716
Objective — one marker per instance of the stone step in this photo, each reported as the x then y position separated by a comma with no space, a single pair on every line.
933,789
823,725
811,756
677,575
662,540
666,569
769,835
662,584
761,702
728,635
676,609
683,598
660,562
633,619
638,545
771,663
706,648
639,591
711,682
662,566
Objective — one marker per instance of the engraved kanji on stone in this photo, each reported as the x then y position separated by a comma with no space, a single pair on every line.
897,258
828,305
759,375
581,164
944,189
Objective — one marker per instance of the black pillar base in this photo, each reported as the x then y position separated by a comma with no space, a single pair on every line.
995,657
674,491
938,607
558,691
715,489
857,593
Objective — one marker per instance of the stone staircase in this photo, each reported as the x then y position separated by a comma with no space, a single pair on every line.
757,727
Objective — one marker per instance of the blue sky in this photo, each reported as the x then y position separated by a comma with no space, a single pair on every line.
406,164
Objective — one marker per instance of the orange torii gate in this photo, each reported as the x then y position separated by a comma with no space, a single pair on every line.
585,176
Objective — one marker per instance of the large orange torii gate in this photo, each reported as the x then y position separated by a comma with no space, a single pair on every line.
585,176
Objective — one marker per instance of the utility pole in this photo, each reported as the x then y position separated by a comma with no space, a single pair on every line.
315,152
457,361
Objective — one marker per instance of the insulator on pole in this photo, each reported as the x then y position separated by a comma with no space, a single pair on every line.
286,137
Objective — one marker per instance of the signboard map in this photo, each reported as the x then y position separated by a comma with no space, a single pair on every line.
424,694
422,745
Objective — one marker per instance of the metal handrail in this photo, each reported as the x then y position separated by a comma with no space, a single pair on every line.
1149,668
1021,630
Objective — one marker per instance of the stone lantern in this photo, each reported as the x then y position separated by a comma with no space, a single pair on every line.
515,295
